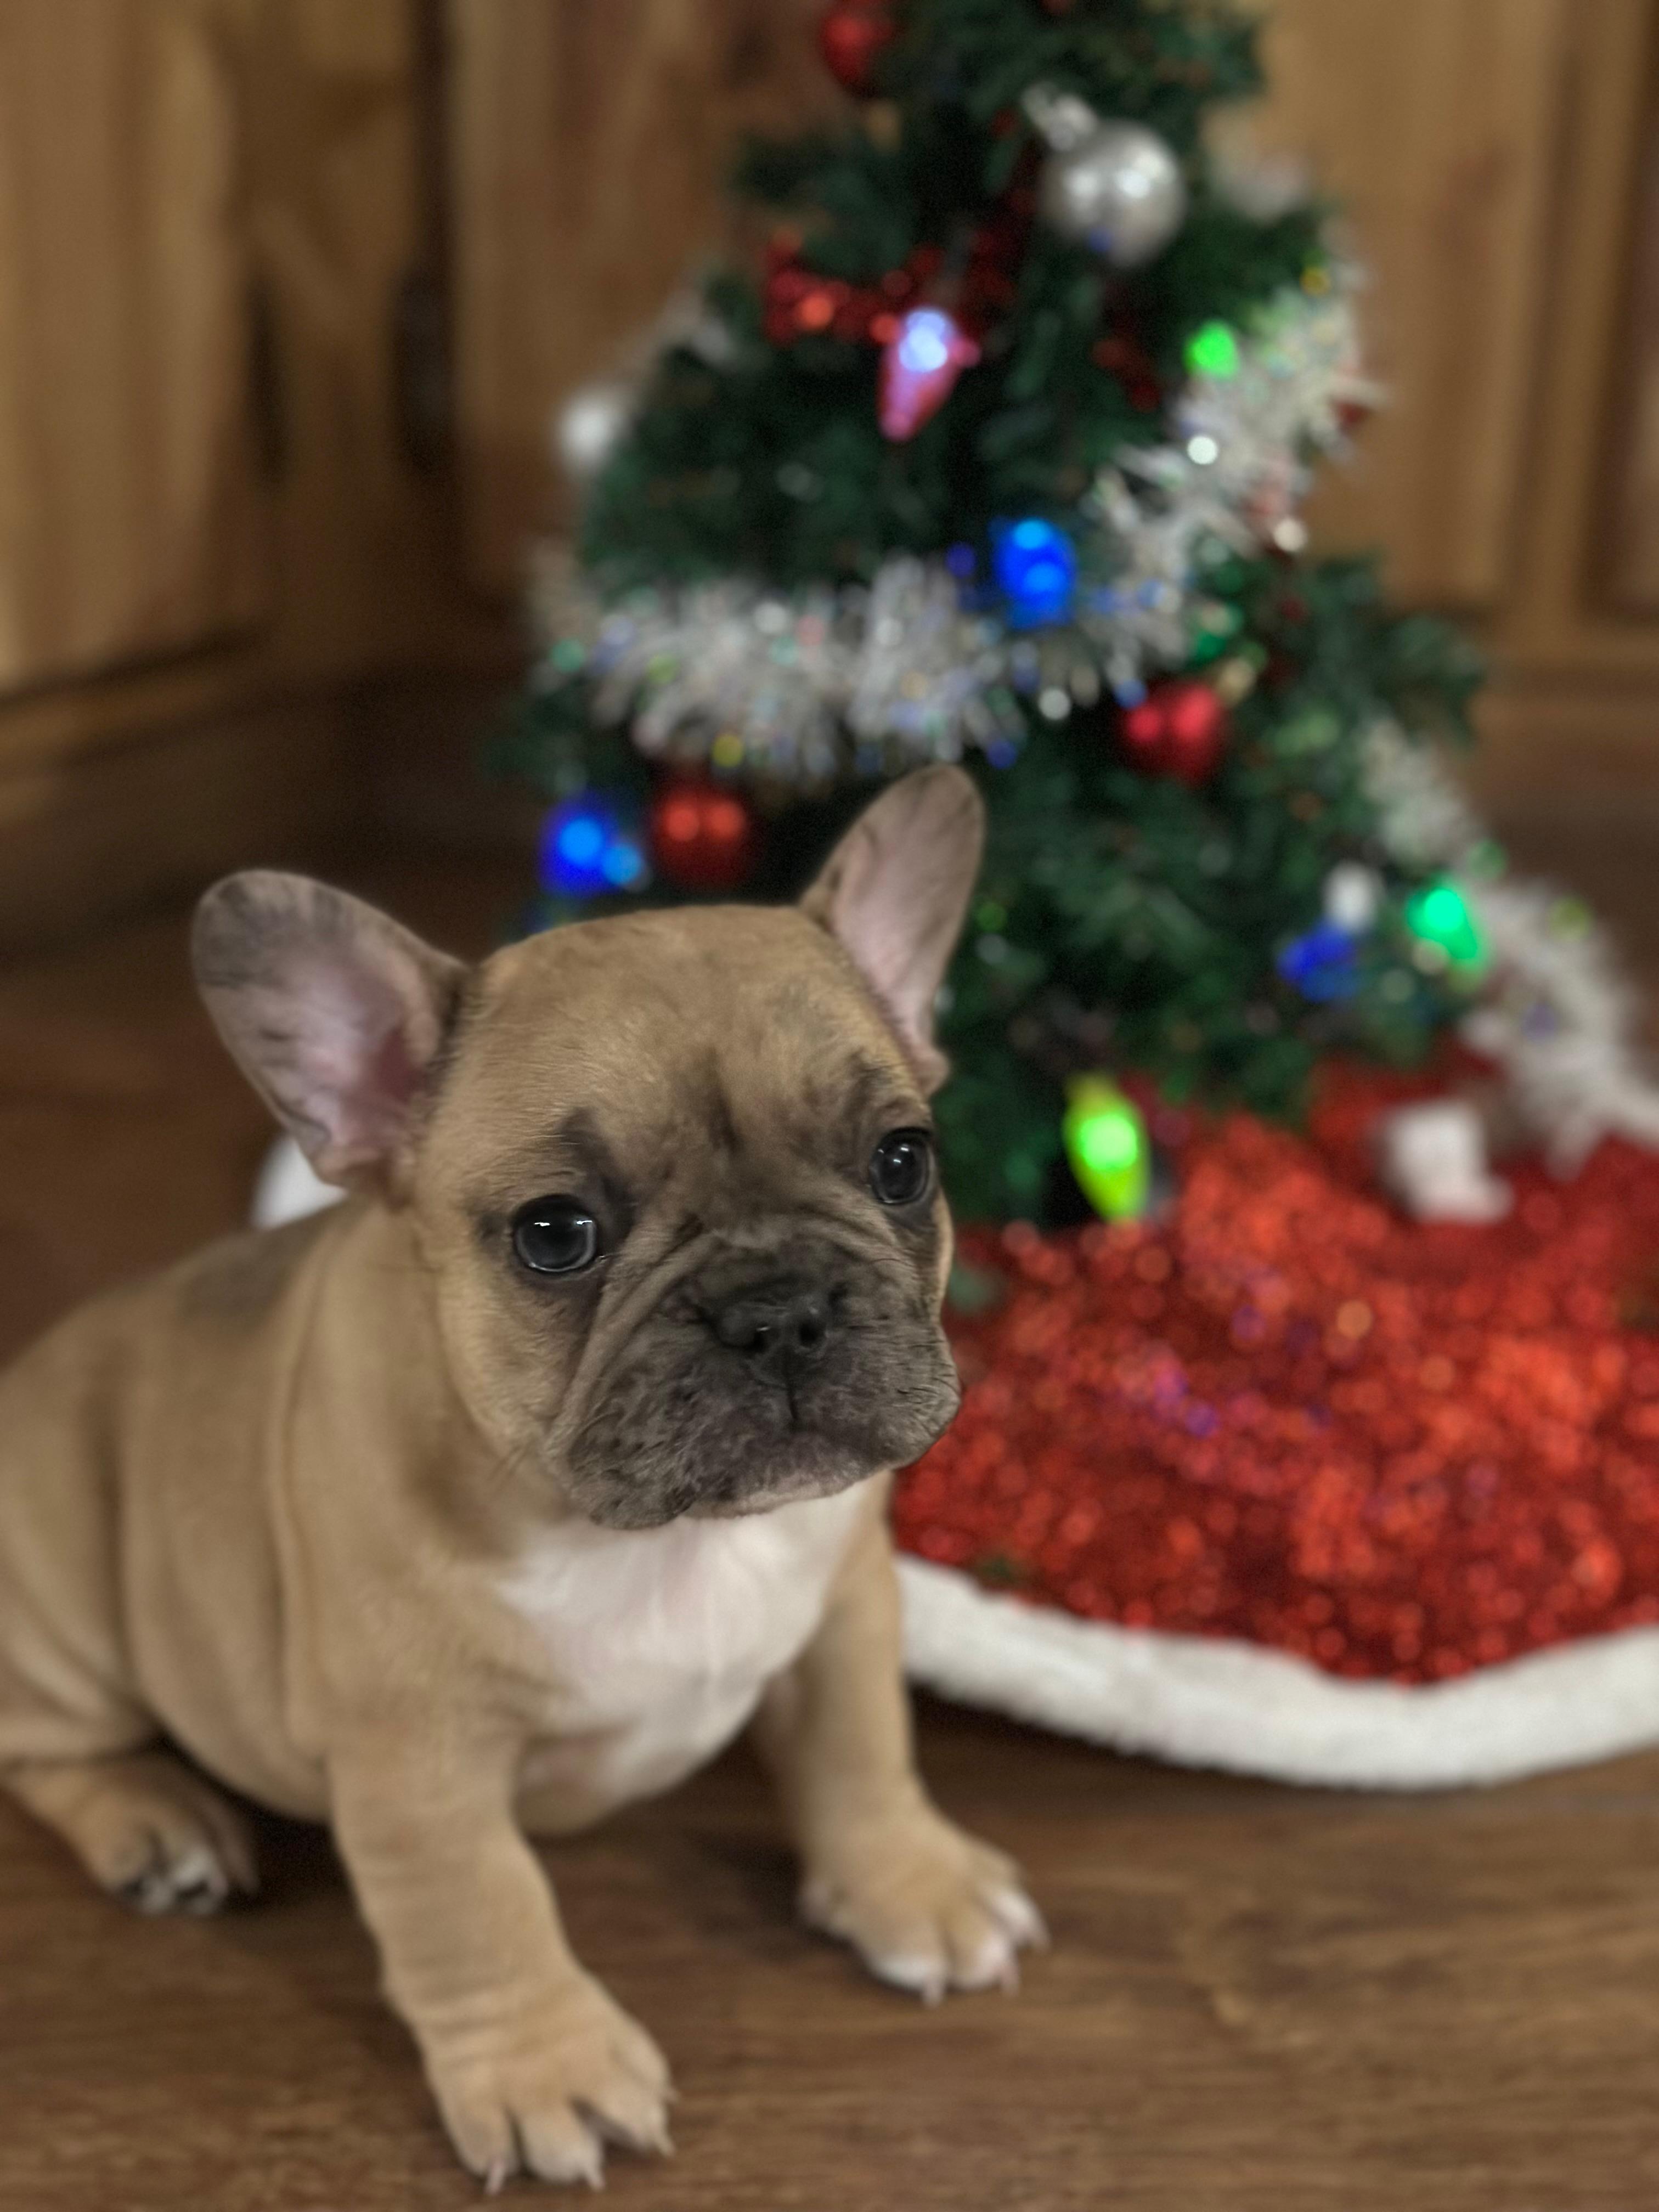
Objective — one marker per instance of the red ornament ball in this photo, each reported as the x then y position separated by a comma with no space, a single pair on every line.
703,837
1178,730
852,35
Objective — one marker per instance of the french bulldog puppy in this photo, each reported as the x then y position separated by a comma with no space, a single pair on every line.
511,1489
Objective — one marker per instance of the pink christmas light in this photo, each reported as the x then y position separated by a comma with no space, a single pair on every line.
920,366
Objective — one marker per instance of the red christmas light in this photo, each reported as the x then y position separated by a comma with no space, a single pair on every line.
1126,359
853,34
703,837
1178,730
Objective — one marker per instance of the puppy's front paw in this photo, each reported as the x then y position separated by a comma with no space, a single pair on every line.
544,2094
927,1907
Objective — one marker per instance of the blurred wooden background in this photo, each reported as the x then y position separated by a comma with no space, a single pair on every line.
289,290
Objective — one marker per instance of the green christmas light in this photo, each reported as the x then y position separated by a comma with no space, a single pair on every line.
1214,623
1106,1142
1439,914
1212,350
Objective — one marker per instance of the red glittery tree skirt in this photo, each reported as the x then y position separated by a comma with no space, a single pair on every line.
1288,1416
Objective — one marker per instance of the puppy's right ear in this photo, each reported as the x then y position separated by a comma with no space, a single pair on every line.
894,892
334,1013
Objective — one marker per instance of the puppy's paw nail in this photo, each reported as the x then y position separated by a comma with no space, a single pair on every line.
1020,1918
494,2179
994,1966
923,1976
159,1838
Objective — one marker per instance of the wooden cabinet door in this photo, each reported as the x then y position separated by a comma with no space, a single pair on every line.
589,142
1435,123
128,507
1625,553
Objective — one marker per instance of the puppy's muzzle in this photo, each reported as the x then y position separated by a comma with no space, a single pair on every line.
780,1327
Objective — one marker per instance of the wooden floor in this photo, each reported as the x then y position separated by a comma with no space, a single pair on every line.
1257,2001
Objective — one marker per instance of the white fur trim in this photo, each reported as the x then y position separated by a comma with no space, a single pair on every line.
1431,1156
286,1189
1209,1702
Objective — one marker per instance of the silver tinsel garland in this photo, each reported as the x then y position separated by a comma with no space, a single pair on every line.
805,686
1555,1010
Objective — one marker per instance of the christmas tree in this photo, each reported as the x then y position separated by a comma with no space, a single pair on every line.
998,458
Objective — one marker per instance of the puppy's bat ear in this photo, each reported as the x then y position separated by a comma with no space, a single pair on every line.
894,893
335,1013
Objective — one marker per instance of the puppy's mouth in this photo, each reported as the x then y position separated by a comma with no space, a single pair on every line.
796,1397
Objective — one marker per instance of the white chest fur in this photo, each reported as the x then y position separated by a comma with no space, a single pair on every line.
659,1642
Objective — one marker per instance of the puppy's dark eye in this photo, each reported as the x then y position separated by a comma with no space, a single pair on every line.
555,1236
902,1168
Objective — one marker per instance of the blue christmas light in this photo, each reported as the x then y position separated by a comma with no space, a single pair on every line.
623,864
1037,567
588,848
1323,965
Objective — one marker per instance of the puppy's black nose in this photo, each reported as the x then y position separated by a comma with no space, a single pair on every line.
782,1326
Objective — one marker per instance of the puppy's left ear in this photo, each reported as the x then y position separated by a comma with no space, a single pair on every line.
335,1014
894,893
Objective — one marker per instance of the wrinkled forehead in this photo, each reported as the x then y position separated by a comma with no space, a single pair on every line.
732,1027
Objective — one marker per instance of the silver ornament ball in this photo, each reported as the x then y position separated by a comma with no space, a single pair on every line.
1119,191
589,427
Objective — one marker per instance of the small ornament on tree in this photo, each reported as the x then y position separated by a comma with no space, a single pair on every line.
920,366
703,837
1123,356
1178,730
589,847
1036,567
1109,1149
1212,350
1441,920
853,34
1322,964
590,426
1114,186
1354,897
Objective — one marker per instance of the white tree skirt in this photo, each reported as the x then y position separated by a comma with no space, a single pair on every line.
1204,1701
